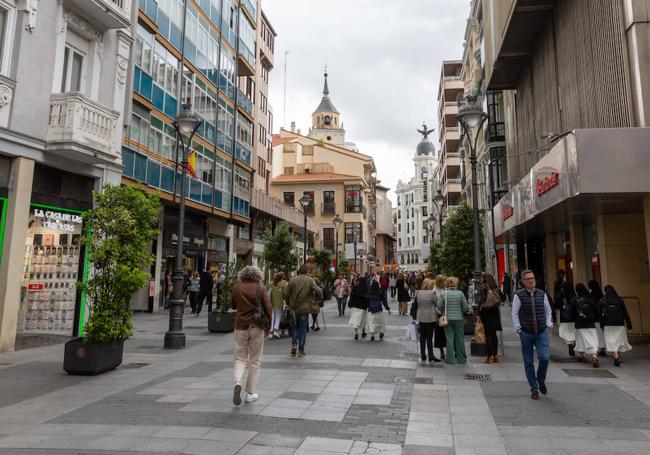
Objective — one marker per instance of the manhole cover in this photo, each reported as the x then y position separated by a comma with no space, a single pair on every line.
478,377
589,373
423,380
134,365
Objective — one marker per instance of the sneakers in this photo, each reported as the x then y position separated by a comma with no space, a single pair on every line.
294,348
250,397
236,397
542,388
276,335
534,395
301,354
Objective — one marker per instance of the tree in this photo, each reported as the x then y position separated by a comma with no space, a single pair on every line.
229,280
121,227
435,258
323,262
279,247
343,267
458,245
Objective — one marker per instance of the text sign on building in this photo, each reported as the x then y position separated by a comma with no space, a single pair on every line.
507,212
59,221
546,184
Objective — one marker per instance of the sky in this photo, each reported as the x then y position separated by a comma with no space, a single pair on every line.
383,59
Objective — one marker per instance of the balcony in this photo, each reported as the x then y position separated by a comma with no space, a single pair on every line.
251,9
245,60
245,102
328,208
495,132
103,14
82,125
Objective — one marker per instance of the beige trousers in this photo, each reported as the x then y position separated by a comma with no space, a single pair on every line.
249,345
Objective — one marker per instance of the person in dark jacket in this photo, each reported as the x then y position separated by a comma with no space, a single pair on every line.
205,291
584,315
375,315
615,319
358,304
507,286
596,294
403,295
567,324
490,317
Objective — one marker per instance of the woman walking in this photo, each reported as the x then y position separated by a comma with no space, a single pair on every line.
584,316
252,319
359,306
402,293
194,289
375,316
440,340
427,316
490,317
567,324
392,284
596,295
279,293
341,292
615,318
453,304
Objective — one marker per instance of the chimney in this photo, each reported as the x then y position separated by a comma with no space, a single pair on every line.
293,127
298,130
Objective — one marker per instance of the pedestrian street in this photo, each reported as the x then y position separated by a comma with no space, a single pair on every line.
343,397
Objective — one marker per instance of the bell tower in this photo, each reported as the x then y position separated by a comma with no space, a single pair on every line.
325,121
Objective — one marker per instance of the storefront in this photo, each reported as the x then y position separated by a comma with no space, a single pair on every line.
195,241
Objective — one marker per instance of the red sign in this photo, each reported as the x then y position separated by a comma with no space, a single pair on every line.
547,183
35,286
507,212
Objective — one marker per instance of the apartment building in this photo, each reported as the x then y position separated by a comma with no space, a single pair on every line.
384,236
63,84
574,102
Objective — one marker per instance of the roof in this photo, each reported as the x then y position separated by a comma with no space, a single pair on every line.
326,103
279,140
335,148
311,177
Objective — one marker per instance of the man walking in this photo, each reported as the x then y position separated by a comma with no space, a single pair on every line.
303,290
205,285
531,319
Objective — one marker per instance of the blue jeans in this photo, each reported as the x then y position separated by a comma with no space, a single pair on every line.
302,320
539,341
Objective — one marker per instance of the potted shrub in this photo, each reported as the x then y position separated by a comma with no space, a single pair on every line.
223,320
121,227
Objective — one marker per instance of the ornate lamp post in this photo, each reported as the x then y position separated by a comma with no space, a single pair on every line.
186,124
440,203
471,118
304,203
337,222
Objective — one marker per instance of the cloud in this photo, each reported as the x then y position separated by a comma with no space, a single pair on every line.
384,61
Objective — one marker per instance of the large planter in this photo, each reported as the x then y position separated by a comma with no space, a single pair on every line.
219,322
92,358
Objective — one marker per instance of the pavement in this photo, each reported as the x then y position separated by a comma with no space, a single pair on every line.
345,397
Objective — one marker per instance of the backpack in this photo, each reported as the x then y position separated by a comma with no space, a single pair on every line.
585,310
613,314
566,310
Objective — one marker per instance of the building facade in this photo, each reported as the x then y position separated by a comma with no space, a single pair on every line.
414,205
576,138
63,85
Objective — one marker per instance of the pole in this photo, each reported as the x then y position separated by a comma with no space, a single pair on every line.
494,234
284,113
336,254
356,269
304,238
475,218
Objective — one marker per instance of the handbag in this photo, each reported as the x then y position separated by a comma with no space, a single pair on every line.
479,332
491,303
414,307
262,320
412,332
443,321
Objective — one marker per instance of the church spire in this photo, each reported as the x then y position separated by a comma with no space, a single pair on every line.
326,90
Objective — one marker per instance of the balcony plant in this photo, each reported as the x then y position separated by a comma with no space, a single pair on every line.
223,320
121,227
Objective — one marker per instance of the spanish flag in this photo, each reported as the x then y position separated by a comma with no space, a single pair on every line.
191,164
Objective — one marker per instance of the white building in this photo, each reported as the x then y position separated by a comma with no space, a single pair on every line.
414,207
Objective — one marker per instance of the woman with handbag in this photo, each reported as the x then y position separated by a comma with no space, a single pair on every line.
490,317
427,315
252,320
439,338
453,304
403,295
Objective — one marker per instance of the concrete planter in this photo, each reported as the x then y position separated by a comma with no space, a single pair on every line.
221,322
92,358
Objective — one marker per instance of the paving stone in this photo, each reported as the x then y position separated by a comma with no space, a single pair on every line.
204,447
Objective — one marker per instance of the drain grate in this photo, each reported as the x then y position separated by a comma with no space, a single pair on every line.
135,365
589,373
477,377
410,355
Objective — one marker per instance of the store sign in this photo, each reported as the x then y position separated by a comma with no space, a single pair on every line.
59,221
507,212
35,286
546,184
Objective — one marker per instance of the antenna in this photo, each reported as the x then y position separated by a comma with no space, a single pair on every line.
284,113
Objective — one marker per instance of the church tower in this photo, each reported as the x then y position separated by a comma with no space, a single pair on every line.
325,121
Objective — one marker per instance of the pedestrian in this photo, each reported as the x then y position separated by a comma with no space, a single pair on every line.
418,281
507,287
194,289
567,329
316,305
585,315
596,295
531,319
279,293
412,283
303,291
402,293
384,282
359,306
490,317
252,320
341,292
558,288
427,317
205,291
392,284
453,304
440,339
615,318
429,281
375,317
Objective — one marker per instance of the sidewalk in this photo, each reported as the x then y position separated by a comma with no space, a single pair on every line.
344,397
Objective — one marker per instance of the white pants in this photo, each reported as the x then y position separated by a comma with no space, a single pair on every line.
249,345
275,321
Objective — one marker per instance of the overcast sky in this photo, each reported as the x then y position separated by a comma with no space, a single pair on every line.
384,60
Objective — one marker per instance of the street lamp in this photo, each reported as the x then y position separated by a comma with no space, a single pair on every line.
439,201
471,118
305,200
186,124
337,222
355,233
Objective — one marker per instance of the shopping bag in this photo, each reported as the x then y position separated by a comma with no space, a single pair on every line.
479,332
412,332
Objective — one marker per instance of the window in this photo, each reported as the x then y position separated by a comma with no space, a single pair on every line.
352,198
73,61
329,204
4,38
350,230
399,228
424,212
288,170
290,198
329,239
398,203
312,204
408,228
